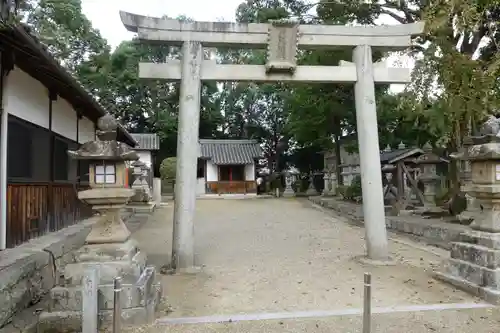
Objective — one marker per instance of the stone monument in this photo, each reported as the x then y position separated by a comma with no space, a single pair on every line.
474,264
141,200
108,246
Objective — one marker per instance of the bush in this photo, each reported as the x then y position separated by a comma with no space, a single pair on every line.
168,168
355,187
352,192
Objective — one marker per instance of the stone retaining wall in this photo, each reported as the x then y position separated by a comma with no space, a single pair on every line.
432,231
28,272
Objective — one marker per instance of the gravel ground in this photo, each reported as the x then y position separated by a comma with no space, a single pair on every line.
279,255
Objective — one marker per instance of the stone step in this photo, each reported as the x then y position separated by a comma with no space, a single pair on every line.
132,296
476,254
475,274
487,239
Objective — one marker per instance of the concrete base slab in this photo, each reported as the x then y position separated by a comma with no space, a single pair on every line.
189,271
372,262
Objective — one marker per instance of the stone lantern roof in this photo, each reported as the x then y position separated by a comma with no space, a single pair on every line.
107,147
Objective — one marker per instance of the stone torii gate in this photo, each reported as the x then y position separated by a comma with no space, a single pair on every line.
282,39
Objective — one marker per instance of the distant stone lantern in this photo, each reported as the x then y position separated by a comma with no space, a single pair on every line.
428,163
142,196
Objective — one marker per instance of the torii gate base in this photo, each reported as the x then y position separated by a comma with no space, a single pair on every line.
282,39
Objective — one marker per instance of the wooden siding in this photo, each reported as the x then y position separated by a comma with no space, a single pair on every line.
221,187
37,208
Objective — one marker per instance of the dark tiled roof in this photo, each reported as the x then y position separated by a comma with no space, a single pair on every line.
146,141
31,56
230,151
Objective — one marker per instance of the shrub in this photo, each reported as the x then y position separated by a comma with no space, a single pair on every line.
352,192
355,187
168,168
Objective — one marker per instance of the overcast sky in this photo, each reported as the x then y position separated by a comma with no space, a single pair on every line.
104,14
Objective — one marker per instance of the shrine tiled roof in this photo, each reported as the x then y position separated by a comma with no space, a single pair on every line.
224,152
146,141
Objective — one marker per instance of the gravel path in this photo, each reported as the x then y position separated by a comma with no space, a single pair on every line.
269,255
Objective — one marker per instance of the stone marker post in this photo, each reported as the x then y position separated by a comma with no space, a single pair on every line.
90,303
474,263
157,191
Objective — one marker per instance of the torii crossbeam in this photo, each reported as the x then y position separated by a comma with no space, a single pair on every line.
282,39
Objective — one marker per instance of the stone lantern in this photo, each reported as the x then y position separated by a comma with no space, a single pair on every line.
311,190
108,193
330,179
428,163
474,263
288,184
109,250
141,201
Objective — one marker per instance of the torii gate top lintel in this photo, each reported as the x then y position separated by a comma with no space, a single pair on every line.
217,34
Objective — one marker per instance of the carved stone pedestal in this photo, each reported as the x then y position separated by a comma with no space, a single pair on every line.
474,263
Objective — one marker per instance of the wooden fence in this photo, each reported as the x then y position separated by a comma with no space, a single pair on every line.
35,209
220,187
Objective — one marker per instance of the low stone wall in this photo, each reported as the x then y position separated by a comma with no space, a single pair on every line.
29,271
432,231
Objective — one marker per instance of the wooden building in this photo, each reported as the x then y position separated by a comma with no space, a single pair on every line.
45,113
227,166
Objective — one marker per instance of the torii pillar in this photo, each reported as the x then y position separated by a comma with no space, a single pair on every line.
282,39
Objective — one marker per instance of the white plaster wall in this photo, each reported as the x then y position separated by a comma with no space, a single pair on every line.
250,172
86,130
212,174
64,119
145,157
27,98
200,186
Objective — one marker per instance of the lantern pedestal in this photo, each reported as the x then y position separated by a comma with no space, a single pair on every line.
474,263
